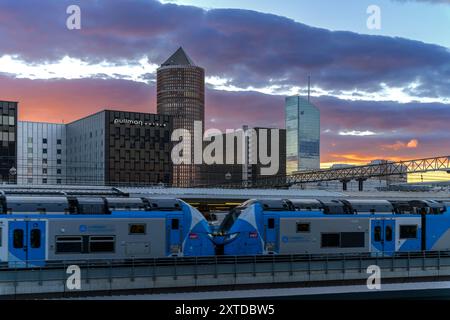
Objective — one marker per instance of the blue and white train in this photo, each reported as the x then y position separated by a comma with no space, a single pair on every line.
337,226
35,231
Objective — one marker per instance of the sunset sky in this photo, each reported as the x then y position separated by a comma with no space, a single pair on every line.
383,94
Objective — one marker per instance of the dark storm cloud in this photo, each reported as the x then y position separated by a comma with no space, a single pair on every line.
250,48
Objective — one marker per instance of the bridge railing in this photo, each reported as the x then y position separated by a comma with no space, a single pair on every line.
136,274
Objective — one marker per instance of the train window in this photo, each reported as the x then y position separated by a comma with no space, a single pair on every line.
101,244
388,233
18,239
352,239
69,244
175,224
408,232
35,238
303,227
271,223
137,228
331,240
377,234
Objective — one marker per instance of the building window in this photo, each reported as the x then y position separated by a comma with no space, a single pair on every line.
44,161
58,141
44,181
58,181
44,170
30,180
58,151
58,161
58,171
30,139
44,151
30,150
44,140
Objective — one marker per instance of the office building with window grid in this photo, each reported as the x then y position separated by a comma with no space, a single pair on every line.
302,135
106,148
8,141
181,94
120,148
41,153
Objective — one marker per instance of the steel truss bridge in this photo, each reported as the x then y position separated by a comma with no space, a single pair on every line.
358,173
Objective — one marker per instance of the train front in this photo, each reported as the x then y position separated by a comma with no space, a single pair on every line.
198,238
240,230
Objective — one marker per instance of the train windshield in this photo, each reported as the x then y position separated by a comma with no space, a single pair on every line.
232,216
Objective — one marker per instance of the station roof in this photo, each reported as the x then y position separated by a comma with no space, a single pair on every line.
217,193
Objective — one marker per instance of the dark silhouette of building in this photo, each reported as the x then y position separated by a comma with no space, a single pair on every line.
8,142
181,94
244,171
254,170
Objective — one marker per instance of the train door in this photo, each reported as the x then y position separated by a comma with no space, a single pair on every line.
26,244
271,228
174,234
383,235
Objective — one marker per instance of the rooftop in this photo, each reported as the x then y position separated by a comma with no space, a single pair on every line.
179,58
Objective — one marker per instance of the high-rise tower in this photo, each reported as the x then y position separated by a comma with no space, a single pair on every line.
181,94
302,135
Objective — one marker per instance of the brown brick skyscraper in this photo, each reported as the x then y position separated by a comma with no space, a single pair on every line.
181,94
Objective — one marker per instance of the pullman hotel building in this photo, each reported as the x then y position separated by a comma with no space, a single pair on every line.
106,148
119,148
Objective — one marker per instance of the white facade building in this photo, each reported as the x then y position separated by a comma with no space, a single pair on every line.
41,153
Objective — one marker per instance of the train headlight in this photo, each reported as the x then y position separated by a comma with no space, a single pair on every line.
233,236
193,236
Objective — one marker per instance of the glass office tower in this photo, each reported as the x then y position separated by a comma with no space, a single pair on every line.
302,135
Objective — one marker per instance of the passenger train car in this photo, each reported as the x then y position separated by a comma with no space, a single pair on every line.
336,226
35,231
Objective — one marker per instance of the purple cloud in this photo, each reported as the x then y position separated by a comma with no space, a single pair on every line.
247,47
